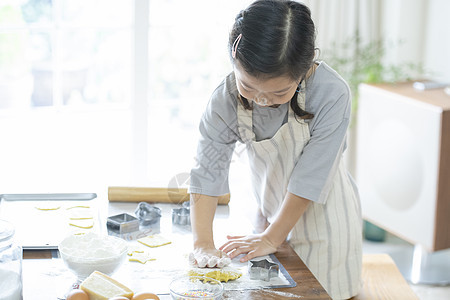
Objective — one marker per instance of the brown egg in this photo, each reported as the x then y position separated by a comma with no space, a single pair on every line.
145,296
77,294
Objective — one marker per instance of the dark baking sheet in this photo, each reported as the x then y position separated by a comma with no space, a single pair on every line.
44,229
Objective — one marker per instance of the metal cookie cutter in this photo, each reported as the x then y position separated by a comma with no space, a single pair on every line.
147,214
181,216
122,223
262,269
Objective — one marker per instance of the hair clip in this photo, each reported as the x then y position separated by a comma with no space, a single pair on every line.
235,45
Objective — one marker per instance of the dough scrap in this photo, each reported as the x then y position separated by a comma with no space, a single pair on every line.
80,213
44,206
131,252
154,241
223,275
85,224
78,206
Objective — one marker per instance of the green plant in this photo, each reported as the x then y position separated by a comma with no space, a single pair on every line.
358,62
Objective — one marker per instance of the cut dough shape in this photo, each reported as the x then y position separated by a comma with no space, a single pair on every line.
80,213
140,256
154,241
223,275
85,224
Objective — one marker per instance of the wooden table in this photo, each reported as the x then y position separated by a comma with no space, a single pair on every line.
307,285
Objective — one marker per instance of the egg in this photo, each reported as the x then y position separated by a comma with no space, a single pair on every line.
145,296
77,294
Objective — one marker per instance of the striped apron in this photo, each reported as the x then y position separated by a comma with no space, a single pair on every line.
328,236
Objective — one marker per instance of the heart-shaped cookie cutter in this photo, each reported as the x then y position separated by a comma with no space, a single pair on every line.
147,214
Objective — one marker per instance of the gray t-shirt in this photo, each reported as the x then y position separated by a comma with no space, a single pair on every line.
327,97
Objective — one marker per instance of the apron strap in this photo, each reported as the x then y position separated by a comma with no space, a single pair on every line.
245,123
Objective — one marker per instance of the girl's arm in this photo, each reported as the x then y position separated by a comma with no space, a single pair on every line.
267,242
203,209
205,254
292,209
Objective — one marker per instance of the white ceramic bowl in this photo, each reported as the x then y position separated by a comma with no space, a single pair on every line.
84,254
196,287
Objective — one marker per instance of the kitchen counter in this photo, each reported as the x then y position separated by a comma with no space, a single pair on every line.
45,276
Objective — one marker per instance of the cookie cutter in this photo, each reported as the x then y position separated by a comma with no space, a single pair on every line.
262,269
147,214
181,216
122,223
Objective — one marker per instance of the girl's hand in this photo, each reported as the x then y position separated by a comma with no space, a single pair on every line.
253,245
208,257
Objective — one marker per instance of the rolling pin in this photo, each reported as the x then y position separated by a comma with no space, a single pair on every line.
159,195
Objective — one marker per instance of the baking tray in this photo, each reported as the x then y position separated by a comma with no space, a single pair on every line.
49,197
41,221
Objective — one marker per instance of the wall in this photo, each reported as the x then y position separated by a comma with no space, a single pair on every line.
418,31
415,31
437,40
403,26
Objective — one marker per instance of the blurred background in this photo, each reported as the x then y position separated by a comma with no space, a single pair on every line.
111,91
102,92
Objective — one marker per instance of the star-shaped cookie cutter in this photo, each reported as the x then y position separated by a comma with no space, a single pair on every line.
262,269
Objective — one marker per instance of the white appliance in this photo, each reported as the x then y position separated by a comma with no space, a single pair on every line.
403,162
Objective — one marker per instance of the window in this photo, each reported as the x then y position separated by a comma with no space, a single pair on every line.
106,92
67,52
188,59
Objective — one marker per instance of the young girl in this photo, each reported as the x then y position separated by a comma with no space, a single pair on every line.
292,113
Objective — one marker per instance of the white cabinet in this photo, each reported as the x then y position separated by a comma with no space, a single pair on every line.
403,162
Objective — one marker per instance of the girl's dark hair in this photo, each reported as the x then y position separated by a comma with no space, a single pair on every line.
278,39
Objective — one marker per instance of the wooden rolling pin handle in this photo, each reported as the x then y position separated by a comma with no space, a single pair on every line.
158,195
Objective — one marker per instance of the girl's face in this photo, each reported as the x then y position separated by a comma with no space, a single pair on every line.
264,91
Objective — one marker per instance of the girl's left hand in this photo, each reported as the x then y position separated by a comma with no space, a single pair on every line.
253,245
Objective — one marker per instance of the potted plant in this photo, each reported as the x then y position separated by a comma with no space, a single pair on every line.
358,62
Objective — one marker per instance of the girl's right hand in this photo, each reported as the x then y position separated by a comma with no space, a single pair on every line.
209,258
